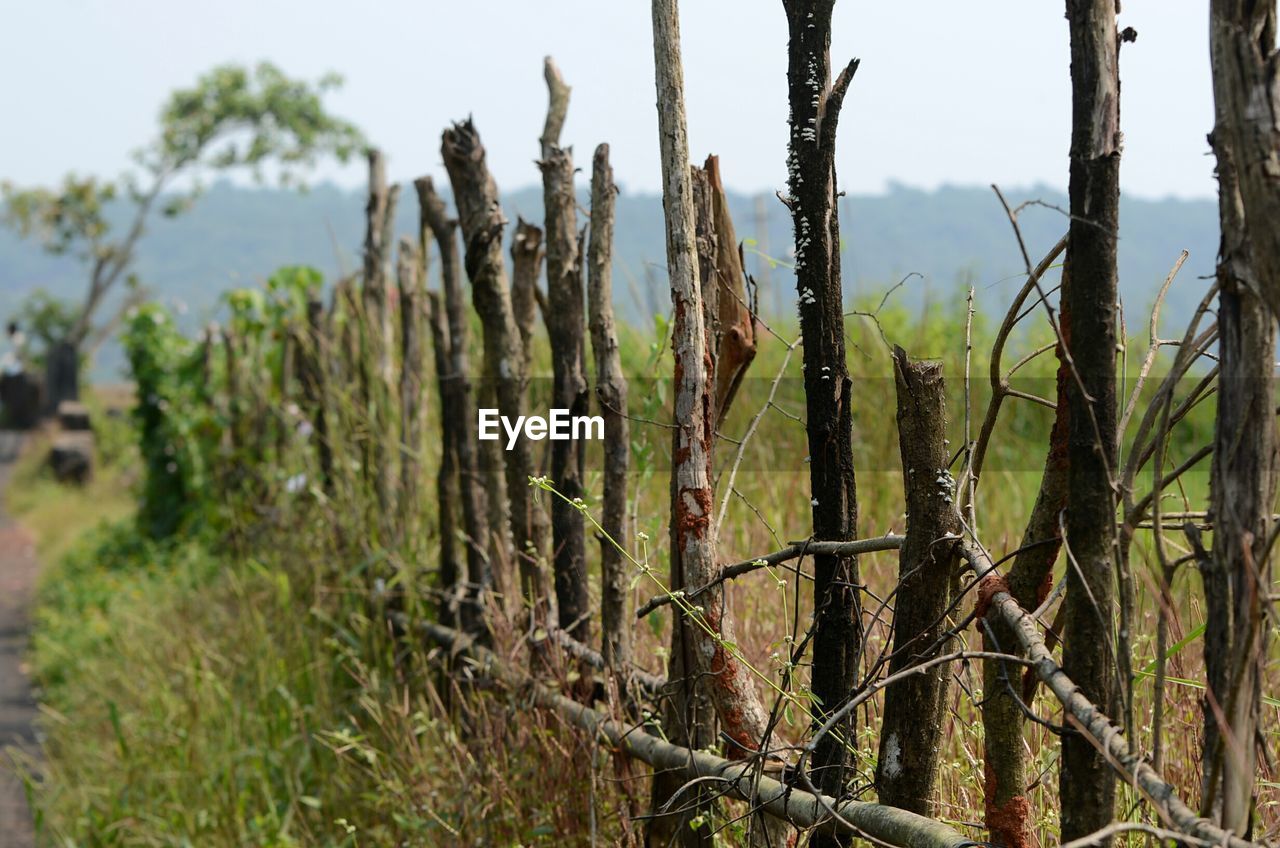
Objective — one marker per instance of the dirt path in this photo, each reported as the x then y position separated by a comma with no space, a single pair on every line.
17,707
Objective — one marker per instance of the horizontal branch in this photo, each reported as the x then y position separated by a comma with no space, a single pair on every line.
793,551
881,824
652,684
994,598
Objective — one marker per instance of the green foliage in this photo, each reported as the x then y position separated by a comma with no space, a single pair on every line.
46,318
239,117
187,697
70,219
289,288
175,448
232,118
235,682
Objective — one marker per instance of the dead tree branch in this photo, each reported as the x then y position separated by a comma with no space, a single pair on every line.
611,393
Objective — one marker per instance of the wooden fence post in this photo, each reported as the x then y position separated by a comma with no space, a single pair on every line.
448,491
693,552
457,404
409,281
482,222
815,111
912,725
1086,783
611,395
313,370
565,325
526,266
1237,576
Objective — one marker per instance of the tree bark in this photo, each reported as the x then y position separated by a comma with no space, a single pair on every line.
557,107
689,715
313,369
566,328
458,408
1237,575
736,342
448,491
1086,784
914,709
410,274
1246,89
379,221
1006,803
881,824
526,267
611,394
815,109
693,552
482,223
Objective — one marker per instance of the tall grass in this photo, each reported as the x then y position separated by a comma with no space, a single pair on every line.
238,684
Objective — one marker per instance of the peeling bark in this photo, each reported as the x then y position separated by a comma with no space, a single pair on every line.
690,715
693,551
736,328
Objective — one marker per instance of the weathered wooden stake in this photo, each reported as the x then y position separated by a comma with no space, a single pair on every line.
566,328
709,638
376,337
1237,576
482,222
1086,784
313,370
815,110
611,395
915,708
1006,803
448,492
457,405
410,270
526,267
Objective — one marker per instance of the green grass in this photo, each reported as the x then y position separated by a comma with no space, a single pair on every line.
234,686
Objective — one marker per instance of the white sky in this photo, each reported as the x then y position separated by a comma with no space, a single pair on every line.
950,91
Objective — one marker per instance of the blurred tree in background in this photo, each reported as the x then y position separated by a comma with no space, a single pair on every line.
255,119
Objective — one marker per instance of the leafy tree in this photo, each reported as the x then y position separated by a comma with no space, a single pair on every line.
47,318
234,117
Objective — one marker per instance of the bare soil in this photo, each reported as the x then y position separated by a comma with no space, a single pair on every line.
18,570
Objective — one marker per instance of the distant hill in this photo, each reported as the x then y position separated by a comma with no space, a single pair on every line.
953,237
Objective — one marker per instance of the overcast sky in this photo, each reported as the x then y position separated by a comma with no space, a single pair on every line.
948,92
